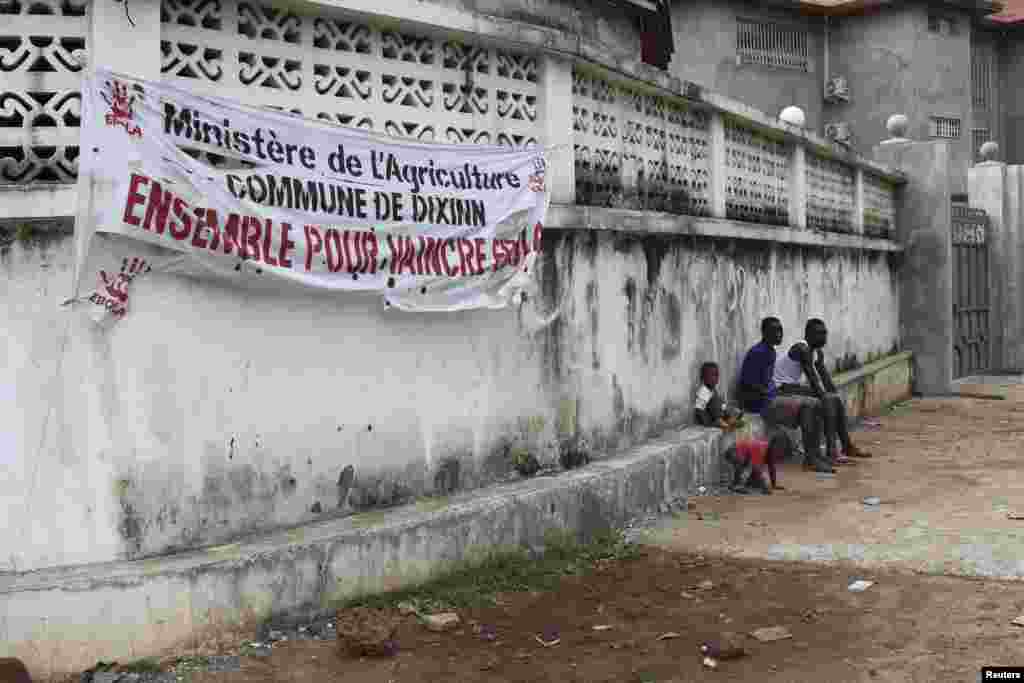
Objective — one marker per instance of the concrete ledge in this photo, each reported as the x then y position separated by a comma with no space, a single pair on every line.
869,389
573,216
61,621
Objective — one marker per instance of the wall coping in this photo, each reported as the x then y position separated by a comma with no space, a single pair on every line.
854,376
578,217
601,58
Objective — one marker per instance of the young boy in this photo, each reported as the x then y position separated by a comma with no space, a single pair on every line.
710,412
710,408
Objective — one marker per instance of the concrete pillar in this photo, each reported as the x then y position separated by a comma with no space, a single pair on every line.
555,111
798,189
719,166
924,227
988,188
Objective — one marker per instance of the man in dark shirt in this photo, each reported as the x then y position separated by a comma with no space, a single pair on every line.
758,395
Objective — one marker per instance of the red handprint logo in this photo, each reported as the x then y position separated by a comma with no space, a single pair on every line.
122,107
536,180
112,290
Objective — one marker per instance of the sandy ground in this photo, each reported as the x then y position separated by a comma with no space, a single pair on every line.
948,474
948,479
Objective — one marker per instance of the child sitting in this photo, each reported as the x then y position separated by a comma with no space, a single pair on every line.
710,411
710,408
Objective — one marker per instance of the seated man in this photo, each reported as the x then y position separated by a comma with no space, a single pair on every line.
802,372
758,395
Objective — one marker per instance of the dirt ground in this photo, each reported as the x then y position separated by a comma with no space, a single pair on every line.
902,629
948,479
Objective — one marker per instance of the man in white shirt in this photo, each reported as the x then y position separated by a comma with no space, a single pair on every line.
802,372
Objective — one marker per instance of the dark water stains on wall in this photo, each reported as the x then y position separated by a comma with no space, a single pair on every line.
673,313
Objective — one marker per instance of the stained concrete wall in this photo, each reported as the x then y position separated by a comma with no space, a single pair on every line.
705,44
1011,62
208,412
894,65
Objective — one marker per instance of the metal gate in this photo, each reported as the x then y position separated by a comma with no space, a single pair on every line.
971,301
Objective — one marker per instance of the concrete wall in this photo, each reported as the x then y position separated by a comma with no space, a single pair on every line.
210,412
705,42
1011,63
895,66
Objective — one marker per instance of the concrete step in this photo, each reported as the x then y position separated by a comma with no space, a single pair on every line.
64,620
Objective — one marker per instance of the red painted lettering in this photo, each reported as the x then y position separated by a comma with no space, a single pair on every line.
419,255
251,238
481,258
313,245
449,269
268,229
231,234
286,246
498,255
334,251
408,256
197,235
432,257
181,229
158,207
465,257
372,247
396,253
210,221
134,199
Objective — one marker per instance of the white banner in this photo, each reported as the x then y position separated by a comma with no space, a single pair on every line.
431,227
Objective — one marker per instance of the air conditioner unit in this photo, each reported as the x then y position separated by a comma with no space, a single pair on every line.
837,90
839,132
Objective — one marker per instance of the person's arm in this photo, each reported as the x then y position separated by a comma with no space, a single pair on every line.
823,373
702,408
802,354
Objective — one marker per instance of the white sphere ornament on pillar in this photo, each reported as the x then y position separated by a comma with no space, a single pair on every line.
897,126
794,116
989,151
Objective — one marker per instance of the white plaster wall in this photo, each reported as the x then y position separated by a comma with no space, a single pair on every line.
704,301
304,385
183,425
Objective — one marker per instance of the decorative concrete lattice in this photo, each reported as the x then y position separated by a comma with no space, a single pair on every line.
639,150
879,206
349,73
42,51
831,194
757,176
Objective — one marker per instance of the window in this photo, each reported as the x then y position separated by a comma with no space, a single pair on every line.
945,127
982,74
771,44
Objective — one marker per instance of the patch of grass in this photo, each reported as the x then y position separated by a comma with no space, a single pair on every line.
896,408
511,571
142,666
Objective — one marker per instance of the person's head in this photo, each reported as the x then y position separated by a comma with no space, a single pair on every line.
709,374
771,331
816,333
